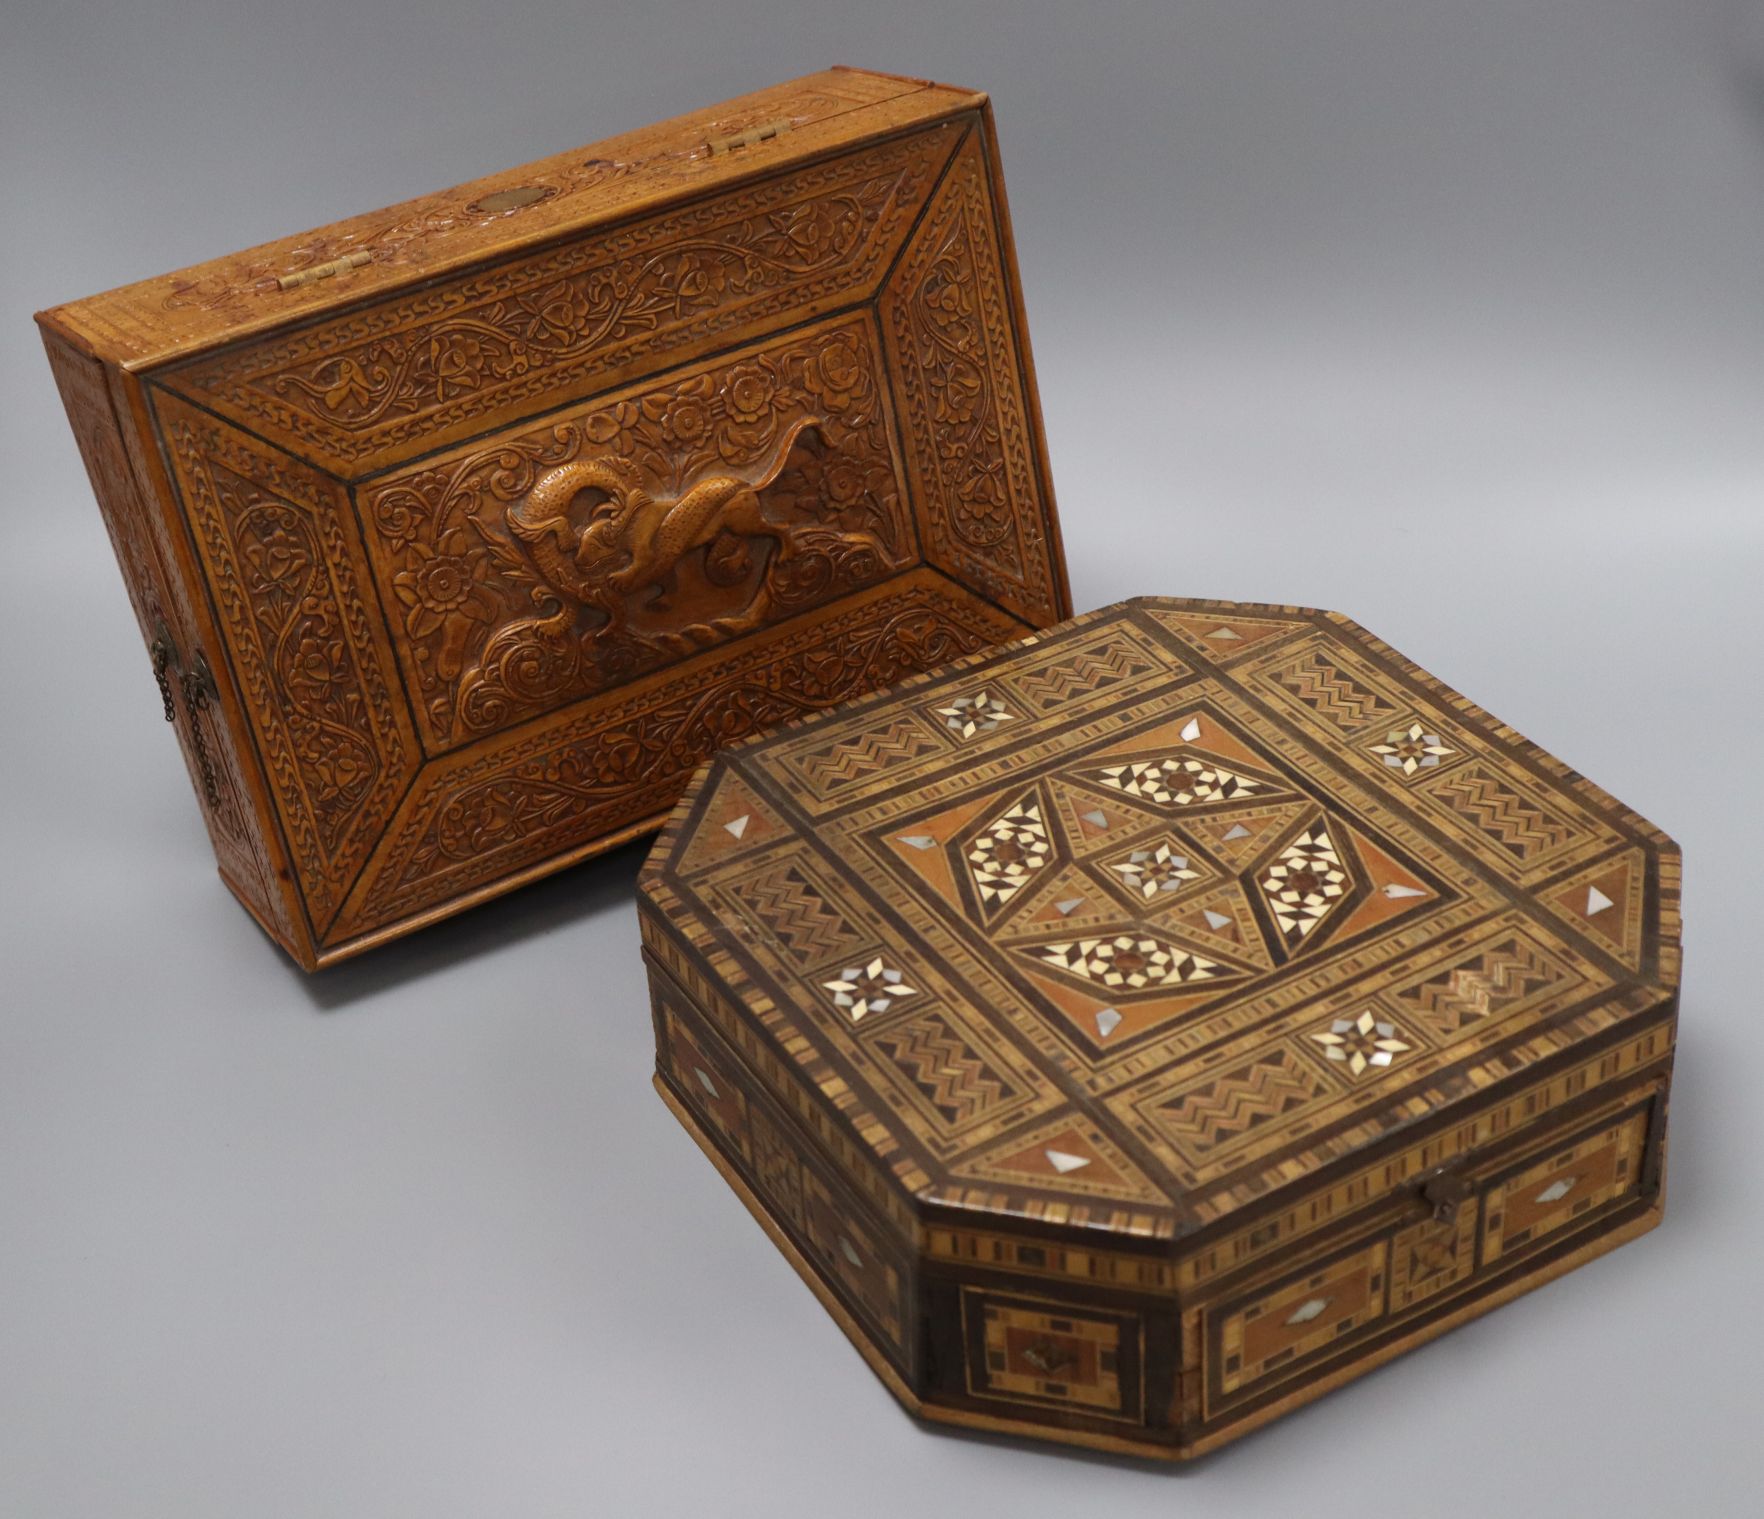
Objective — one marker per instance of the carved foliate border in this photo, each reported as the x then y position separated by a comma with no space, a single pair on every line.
947,315
419,370
280,560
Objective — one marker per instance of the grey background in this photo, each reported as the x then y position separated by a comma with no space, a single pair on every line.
1451,316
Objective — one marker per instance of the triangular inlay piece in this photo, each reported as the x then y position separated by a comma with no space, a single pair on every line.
1224,638
1396,889
733,818
1215,920
1606,900
1236,831
1069,906
918,840
1107,1021
1064,1156
1191,730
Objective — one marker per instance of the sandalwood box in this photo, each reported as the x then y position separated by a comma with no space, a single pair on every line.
1135,1032
460,533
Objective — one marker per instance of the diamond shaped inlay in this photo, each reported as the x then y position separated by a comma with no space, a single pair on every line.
1173,782
1007,852
1305,882
1131,961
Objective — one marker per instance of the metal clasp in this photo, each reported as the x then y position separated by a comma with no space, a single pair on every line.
1444,1192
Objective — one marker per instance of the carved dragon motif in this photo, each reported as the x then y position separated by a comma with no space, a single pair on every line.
634,542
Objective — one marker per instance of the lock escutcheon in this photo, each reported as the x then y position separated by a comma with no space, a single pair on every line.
1444,1192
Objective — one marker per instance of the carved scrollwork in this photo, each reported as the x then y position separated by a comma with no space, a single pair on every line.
399,371
572,557
951,333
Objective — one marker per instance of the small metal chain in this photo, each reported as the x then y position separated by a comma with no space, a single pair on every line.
161,650
196,698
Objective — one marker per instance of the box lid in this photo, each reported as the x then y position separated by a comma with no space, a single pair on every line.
1181,904
240,295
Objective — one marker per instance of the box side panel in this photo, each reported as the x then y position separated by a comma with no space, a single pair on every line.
1042,1353
855,1237
303,642
199,701
969,413
1565,1171
298,277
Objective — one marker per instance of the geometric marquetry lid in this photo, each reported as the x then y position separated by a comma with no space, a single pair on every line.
1127,924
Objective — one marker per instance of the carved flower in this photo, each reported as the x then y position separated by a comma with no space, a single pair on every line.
445,594
458,360
684,413
837,374
749,392
553,315
695,280
943,295
734,719
844,482
350,390
318,663
816,229
618,758
484,820
277,557
961,396
342,770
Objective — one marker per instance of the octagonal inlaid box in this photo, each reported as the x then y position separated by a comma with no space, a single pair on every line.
1135,1032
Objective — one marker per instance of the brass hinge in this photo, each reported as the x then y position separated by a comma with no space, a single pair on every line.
324,271
762,133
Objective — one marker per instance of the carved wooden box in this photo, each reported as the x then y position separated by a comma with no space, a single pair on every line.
1133,1033
461,533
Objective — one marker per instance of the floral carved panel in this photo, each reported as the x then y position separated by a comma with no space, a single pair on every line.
549,564
454,358
301,641
969,438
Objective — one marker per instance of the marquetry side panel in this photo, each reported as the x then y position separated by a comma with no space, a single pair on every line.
857,1251
1331,1302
